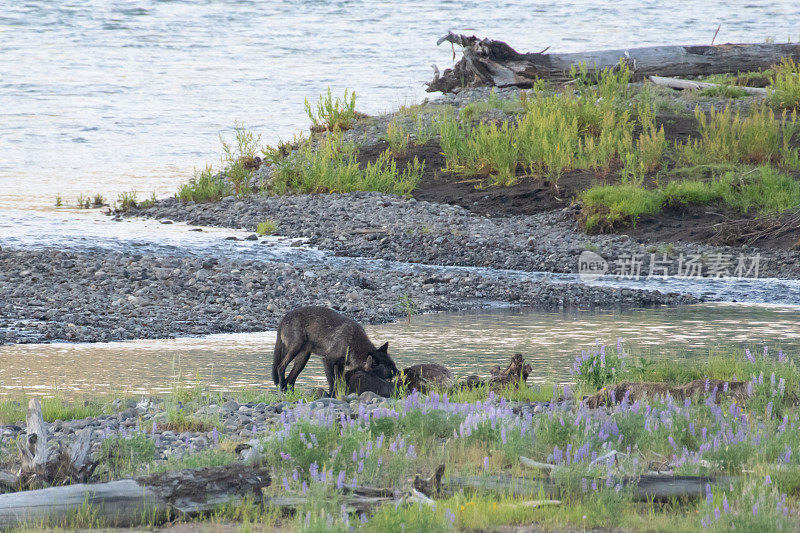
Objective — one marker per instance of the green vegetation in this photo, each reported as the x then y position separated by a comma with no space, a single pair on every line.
475,109
784,88
267,227
59,200
56,408
723,91
478,433
761,190
205,186
558,133
126,201
332,114
397,138
332,167
727,137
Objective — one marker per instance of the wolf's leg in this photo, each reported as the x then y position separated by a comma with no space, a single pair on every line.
330,375
300,362
291,353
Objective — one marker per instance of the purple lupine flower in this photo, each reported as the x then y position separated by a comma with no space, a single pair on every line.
755,509
769,409
295,475
215,437
285,456
286,484
410,453
709,496
304,488
749,388
485,463
749,355
768,480
725,506
363,517
451,517
716,513
781,356
340,480
361,465
594,485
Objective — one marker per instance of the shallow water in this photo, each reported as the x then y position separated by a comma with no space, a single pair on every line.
467,343
108,96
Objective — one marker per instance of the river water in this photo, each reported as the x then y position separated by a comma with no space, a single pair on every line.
467,343
105,96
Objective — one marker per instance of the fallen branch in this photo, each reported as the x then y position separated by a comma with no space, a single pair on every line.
676,83
490,63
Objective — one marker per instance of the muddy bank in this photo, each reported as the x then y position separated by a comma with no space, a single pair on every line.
383,226
103,296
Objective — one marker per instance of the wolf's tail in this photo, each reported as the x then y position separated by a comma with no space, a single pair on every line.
277,357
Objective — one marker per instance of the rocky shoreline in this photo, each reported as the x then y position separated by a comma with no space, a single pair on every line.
52,295
383,226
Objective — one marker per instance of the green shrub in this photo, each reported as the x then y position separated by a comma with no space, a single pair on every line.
332,167
784,87
205,186
727,137
267,227
120,455
610,205
332,114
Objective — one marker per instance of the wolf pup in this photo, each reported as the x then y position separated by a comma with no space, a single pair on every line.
341,341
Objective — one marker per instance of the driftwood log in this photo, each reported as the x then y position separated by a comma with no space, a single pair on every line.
127,502
638,390
43,465
691,85
486,62
647,488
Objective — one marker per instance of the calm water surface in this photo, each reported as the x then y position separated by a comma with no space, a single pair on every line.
466,343
104,96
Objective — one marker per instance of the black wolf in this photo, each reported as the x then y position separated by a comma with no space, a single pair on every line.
341,341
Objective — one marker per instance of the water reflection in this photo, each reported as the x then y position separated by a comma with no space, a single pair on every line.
467,343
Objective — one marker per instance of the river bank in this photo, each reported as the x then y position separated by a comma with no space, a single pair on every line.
102,296
732,462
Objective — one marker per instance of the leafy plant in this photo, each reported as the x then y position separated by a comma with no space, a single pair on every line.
267,227
332,114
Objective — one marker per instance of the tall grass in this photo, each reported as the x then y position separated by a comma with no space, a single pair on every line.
761,190
332,167
332,114
784,87
727,136
205,186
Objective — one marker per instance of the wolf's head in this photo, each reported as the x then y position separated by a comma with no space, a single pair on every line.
380,364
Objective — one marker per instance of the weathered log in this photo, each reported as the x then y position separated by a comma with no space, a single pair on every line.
691,85
33,452
647,487
127,502
486,62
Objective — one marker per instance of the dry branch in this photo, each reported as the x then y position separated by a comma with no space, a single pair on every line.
490,63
